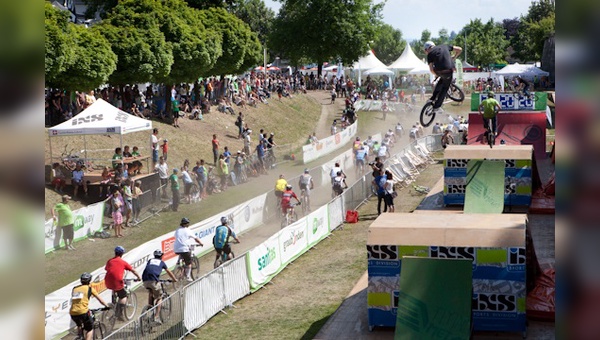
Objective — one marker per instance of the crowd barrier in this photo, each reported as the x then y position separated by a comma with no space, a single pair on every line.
329,144
212,293
87,221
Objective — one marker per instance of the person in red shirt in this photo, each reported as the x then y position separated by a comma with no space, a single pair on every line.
286,197
215,148
115,270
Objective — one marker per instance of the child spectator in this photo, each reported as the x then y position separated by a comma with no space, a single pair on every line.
58,178
165,148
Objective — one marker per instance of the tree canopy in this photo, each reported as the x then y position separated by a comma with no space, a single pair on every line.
486,43
258,16
388,43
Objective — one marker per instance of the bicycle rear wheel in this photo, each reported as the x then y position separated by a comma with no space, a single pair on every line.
491,138
455,93
146,320
427,114
131,306
108,319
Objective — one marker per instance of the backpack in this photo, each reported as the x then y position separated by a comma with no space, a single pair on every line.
238,123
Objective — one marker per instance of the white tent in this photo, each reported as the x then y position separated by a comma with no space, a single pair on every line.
422,69
100,118
331,68
407,61
367,62
527,71
379,71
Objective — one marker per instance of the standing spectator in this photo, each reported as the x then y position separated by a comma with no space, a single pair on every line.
117,205
380,182
447,138
63,216
165,149
163,174
247,141
215,149
200,171
174,180
154,146
136,204
57,178
175,108
187,184
239,122
260,153
334,127
389,191
128,199
223,171
227,155
437,129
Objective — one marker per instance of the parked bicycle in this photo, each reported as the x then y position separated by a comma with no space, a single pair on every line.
455,93
100,330
153,316
180,268
290,216
110,318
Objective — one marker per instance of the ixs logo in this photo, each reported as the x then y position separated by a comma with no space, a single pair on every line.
494,303
267,258
510,163
517,258
382,252
295,236
87,119
456,188
457,163
452,252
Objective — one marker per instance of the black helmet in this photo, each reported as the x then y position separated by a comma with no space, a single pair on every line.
119,250
158,254
185,220
224,220
85,278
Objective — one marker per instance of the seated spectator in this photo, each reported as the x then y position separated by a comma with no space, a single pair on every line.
58,178
126,152
196,113
224,107
78,180
135,111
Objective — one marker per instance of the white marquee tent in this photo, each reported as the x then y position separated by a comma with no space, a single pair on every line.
527,71
100,118
367,62
379,71
408,61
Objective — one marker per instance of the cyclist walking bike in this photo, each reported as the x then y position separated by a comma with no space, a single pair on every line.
221,242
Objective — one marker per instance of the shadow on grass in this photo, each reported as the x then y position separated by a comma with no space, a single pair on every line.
368,217
315,328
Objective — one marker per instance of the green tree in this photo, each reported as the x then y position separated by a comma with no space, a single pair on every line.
331,29
535,27
241,47
59,46
388,44
486,43
417,45
258,16
443,37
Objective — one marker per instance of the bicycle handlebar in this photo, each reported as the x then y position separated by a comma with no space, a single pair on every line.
101,309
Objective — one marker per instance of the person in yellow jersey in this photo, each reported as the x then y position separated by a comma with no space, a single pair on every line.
80,312
280,187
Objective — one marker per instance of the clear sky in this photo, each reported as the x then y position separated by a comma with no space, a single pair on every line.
413,16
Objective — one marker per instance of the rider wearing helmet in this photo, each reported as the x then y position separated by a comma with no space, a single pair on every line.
221,239
441,64
286,197
150,277
490,108
115,270
181,246
280,186
305,182
80,297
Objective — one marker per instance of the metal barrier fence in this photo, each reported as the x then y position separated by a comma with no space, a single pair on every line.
196,303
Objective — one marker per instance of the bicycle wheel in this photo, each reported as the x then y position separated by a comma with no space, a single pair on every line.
146,320
131,306
99,331
491,139
427,114
455,93
217,263
165,308
180,275
108,319
195,273
294,217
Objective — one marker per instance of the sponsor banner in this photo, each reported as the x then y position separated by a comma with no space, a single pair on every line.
293,241
87,221
329,144
317,225
241,218
510,102
263,262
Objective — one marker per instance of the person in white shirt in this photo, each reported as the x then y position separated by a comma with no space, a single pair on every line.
334,127
413,133
181,246
437,129
187,184
383,153
154,146
336,168
399,130
163,174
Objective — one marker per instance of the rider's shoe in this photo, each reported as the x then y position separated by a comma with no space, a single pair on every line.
438,110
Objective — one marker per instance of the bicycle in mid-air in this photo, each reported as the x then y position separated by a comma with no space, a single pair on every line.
149,317
180,268
109,318
455,93
290,215
100,330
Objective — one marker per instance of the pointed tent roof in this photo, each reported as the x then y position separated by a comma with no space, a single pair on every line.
378,71
467,65
407,60
524,70
367,62
101,118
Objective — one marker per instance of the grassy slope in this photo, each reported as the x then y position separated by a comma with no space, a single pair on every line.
191,141
306,293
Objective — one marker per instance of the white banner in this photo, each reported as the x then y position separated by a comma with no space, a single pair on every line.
317,225
263,262
87,221
293,241
329,144
242,217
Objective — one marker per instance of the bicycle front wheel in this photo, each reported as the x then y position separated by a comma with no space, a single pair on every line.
99,331
427,114
131,306
195,273
165,308
146,320
455,93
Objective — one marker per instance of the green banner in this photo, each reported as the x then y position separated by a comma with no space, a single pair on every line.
509,102
435,299
484,193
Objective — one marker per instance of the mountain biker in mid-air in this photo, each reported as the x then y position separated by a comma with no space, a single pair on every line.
490,108
441,64
221,239
522,85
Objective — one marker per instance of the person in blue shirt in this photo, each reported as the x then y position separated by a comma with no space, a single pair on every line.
221,239
379,181
150,277
260,153
227,155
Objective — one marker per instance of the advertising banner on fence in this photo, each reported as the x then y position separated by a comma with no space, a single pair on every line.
317,225
329,144
87,221
293,241
263,262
